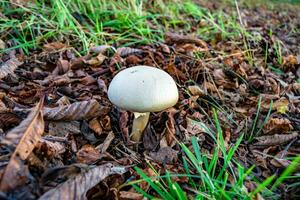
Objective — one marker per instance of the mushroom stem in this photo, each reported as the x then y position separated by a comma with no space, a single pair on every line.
139,124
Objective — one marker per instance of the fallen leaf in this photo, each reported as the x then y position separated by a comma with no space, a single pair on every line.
101,84
126,195
196,90
8,118
77,187
277,126
94,124
87,80
275,139
96,61
2,45
126,51
87,154
62,66
76,111
104,146
196,127
9,67
296,88
54,46
123,125
175,72
62,128
170,127
150,140
101,49
24,137
171,38
49,149
165,155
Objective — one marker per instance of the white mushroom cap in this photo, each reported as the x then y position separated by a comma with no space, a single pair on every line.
143,89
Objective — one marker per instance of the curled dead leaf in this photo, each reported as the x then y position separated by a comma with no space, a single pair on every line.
9,67
62,66
87,154
171,38
94,124
101,49
50,149
76,111
196,90
77,187
275,139
277,125
24,137
126,51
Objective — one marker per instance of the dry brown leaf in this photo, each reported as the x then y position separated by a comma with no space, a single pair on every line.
8,118
54,46
77,187
277,126
101,84
87,80
62,128
196,90
50,149
195,127
104,146
76,111
170,127
2,45
126,51
171,38
101,49
296,88
275,139
24,138
88,154
165,155
126,195
123,125
171,69
94,124
9,67
280,105
62,66
98,60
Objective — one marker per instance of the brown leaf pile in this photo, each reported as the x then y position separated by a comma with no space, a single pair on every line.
74,144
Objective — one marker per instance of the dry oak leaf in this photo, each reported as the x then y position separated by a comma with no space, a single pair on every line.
9,67
76,188
87,154
24,138
275,139
76,111
278,125
171,38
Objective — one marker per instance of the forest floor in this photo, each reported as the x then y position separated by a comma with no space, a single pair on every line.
234,133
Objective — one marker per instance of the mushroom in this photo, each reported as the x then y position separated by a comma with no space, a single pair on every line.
141,90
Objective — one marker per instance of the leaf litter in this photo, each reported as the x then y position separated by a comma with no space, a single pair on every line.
74,144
